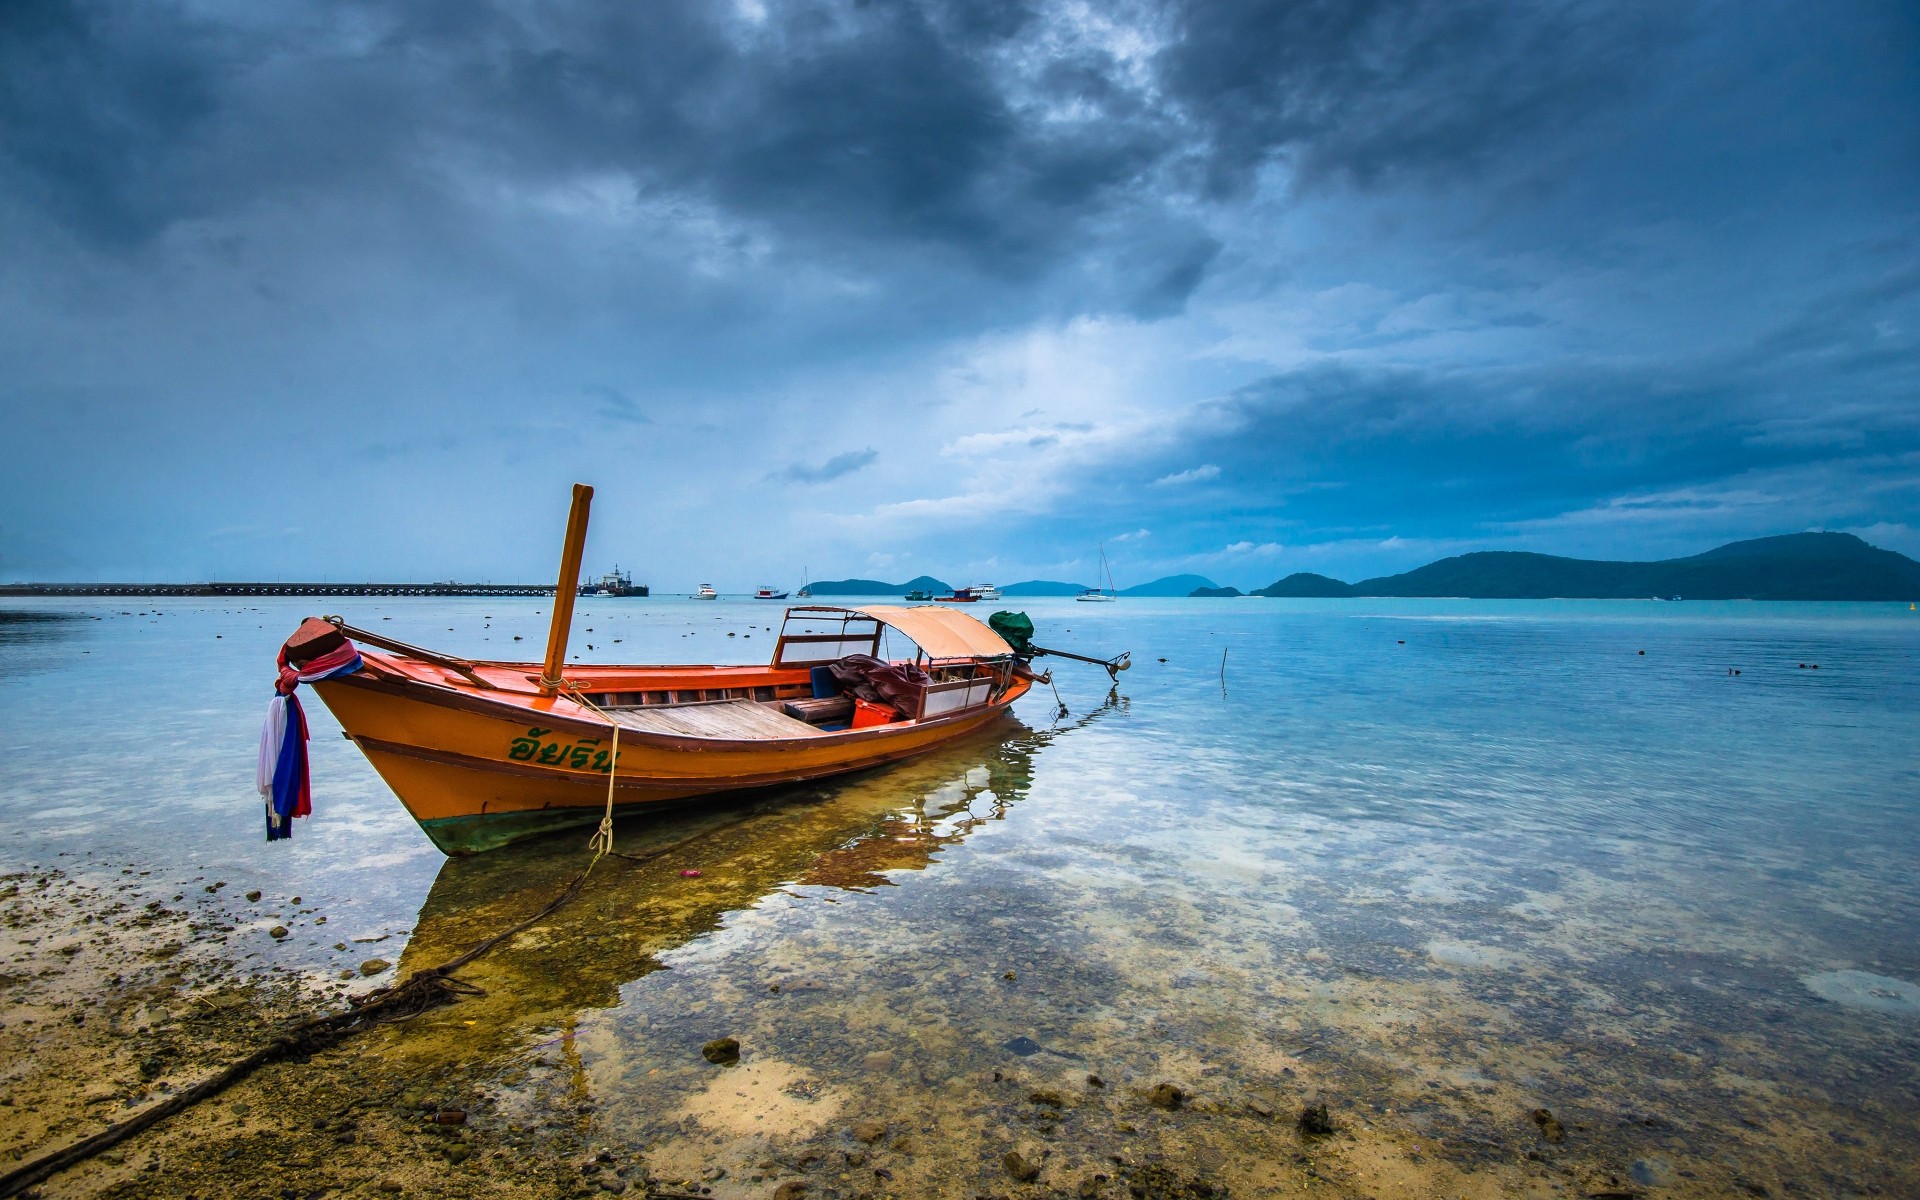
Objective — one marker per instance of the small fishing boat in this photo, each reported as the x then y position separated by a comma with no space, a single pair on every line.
767,593
984,591
1094,595
704,592
959,596
484,752
918,595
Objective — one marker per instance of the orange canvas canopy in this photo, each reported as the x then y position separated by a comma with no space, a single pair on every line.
941,632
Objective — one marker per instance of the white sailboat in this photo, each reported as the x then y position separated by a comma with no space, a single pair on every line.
1094,595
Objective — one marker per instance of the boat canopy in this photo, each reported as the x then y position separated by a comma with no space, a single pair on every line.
939,632
942,632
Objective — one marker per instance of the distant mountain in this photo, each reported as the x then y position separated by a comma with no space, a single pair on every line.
1216,593
1172,585
1306,583
874,587
1795,566
1043,587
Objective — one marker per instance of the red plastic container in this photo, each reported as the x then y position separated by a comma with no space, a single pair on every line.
867,714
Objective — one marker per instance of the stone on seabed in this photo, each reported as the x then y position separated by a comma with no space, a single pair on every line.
1550,1126
1018,1166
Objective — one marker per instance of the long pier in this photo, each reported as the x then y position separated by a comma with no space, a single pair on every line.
296,589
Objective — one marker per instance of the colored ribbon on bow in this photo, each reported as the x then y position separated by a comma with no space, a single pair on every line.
281,775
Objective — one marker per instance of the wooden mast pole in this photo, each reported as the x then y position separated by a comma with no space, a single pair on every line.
567,592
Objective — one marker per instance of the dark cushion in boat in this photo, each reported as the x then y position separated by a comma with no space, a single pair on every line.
824,684
826,708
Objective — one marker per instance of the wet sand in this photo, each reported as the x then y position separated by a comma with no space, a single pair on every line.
1052,1054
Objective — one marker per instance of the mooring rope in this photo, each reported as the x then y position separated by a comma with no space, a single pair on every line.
601,843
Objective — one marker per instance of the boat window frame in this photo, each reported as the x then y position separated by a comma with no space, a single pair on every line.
991,684
822,614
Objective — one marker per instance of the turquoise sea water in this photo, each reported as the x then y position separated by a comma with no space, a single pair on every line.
1447,861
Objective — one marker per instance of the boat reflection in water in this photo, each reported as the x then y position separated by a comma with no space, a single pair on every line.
845,835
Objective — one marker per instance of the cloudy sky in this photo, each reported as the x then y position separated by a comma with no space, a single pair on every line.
877,287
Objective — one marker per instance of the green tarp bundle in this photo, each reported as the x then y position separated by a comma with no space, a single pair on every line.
1015,628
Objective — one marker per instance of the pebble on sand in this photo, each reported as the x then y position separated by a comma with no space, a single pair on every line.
1167,1096
1315,1120
1016,1165
1550,1126
374,966
721,1051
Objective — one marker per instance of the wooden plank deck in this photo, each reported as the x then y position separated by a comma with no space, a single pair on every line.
735,720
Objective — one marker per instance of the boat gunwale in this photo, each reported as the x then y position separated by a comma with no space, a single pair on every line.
405,686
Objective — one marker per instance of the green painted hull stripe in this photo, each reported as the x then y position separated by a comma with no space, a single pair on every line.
489,831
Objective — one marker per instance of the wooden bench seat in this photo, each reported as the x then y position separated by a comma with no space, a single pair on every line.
823,710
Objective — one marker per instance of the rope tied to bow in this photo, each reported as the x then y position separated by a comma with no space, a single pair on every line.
601,843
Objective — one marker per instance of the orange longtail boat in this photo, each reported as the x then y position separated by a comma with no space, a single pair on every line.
482,753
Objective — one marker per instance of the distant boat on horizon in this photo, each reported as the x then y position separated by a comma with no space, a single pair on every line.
1094,595
966,595
767,593
705,592
618,583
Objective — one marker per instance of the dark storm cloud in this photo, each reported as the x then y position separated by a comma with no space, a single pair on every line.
856,125
1363,89
891,121
98,108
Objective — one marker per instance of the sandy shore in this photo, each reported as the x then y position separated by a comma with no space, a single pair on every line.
115,995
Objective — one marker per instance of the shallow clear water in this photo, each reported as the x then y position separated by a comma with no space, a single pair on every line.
1448,861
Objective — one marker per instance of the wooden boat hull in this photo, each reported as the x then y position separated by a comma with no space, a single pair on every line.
478,772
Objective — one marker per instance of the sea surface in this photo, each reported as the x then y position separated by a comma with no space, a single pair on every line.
1651,867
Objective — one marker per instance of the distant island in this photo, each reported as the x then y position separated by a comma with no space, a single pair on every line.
874,587
1172,585
1795,566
